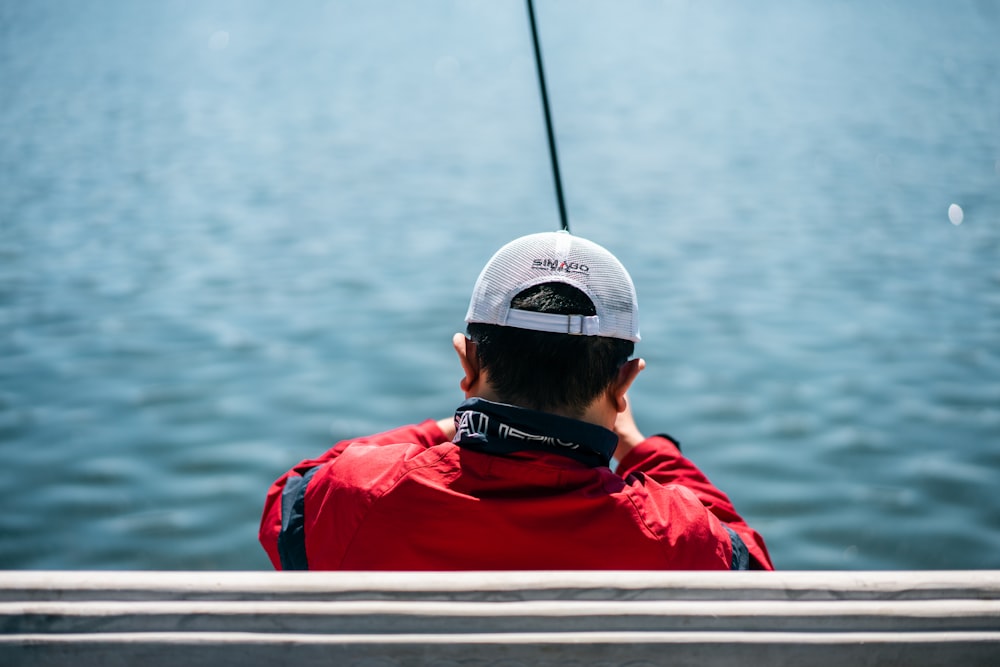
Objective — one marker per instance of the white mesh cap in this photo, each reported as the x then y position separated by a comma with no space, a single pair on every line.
558,257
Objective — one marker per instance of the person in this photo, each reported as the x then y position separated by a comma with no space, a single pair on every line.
520,477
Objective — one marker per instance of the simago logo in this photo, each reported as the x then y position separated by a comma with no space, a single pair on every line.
555,265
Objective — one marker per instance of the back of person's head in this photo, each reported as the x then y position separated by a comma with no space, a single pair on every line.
551,372
554,318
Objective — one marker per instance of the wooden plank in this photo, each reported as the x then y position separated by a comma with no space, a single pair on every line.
395,617
499,586
505,650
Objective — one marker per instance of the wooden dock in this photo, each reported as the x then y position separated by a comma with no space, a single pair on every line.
501,619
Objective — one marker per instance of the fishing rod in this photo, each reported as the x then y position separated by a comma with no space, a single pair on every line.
548,119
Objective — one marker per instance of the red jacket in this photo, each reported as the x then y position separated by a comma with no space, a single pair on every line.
410,499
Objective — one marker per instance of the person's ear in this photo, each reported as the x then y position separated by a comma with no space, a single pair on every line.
466,349
626,376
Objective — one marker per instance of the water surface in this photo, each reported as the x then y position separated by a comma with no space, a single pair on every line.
232,233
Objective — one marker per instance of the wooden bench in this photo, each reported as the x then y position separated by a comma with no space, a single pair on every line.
504,619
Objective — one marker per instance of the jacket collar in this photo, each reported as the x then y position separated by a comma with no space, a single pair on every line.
497,428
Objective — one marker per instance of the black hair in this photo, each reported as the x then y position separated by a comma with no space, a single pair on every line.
551,372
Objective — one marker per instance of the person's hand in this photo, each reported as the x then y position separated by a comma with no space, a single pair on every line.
628,433
447,426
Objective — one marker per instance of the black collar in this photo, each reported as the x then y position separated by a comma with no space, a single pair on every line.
497,428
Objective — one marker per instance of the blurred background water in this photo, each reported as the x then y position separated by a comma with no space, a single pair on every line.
234,232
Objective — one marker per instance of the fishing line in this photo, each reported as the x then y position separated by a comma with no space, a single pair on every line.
548,119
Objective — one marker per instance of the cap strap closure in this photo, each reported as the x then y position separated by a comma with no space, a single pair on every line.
580,325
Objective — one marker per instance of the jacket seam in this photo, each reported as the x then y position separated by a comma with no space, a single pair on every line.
652,533
404,474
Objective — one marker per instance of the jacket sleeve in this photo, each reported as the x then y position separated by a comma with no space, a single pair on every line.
282,524
659,458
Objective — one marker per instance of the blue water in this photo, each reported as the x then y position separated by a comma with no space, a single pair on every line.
232,233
